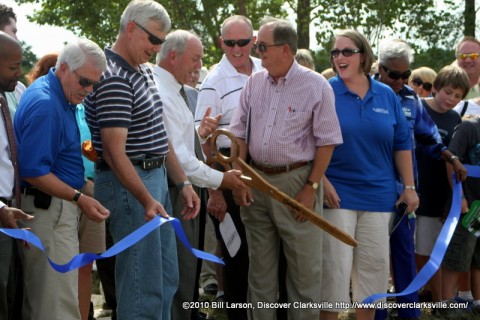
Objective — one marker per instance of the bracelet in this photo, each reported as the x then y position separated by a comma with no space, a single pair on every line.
76,196
411,187
453,158
183,184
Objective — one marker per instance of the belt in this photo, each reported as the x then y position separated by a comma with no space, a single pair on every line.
7,202
144,163
30,191
279,169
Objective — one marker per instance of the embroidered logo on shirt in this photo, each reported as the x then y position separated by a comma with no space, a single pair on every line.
380,110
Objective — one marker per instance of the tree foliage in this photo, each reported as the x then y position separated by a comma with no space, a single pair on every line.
99,20
424,24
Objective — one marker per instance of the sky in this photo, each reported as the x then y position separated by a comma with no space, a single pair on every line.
42,39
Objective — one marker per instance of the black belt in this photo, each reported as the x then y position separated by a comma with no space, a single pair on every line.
30,191
7,202
145,163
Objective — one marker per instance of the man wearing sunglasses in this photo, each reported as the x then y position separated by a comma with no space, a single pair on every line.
286,121
467,54
221,91
125,115
395,57
51,167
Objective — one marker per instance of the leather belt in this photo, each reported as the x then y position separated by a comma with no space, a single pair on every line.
279,169
30,191
7,202
145,163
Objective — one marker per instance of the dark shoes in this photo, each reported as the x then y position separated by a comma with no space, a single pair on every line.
211,288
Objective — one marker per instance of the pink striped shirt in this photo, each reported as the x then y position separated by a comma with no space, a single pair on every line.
288,119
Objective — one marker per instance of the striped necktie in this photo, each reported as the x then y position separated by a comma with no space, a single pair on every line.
13,147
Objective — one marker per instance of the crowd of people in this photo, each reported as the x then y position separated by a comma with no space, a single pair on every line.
368,144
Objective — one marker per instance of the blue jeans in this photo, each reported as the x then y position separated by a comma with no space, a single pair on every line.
146,274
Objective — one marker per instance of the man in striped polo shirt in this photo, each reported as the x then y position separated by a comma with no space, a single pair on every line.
125,117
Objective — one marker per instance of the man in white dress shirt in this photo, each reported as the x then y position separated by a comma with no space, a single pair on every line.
180,55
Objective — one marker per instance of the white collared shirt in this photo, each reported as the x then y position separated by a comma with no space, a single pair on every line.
7,172
221,90
180,128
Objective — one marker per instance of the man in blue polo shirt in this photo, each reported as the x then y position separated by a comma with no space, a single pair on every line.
51,167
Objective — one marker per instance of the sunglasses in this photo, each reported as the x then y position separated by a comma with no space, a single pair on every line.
263,47
346,52
464,56
427,86
395,75
151,37
240,43
84,82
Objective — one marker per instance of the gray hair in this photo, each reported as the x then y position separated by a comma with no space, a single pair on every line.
175,41
236,18
284,33
394,49
143,11
76,54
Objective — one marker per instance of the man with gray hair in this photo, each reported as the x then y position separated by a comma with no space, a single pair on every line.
125,115
180,55
286,121
51,167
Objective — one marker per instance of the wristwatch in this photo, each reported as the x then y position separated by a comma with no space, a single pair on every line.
453,158
76,196
313,184
409,187
183,184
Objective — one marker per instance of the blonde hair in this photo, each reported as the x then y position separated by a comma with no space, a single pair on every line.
328,73
304,58
424,73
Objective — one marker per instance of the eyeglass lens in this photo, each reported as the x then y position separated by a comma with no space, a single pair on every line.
151,37
240,43
345,52
395,75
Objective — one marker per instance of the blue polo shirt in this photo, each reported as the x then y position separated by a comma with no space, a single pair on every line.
47,134
362,169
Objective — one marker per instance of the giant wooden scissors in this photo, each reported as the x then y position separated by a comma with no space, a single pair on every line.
255,181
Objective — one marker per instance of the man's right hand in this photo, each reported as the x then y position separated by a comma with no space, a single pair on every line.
231,180
92,208
10,215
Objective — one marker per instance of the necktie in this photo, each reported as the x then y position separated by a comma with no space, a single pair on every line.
13,147
198,145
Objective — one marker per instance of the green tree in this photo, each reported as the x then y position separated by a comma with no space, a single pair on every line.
28,61
99,20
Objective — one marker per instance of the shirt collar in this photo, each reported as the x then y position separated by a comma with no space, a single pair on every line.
167,76
56,86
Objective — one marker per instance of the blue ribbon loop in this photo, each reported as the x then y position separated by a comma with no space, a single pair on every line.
85,258
441,245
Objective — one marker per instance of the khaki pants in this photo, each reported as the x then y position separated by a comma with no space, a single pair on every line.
267,221
48,293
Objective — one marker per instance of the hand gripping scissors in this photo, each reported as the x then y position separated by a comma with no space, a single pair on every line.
255,181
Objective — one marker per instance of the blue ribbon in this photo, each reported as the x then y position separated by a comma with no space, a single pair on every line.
85,258
441,245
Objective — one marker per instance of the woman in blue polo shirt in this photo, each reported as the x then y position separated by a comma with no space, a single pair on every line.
360,189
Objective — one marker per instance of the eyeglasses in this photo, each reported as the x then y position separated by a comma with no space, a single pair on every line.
240,43
263,47
464,56
395,75
151,37
346,52
84,82
427,86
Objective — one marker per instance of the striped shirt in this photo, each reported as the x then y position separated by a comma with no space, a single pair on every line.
285,122
127,98
221,90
